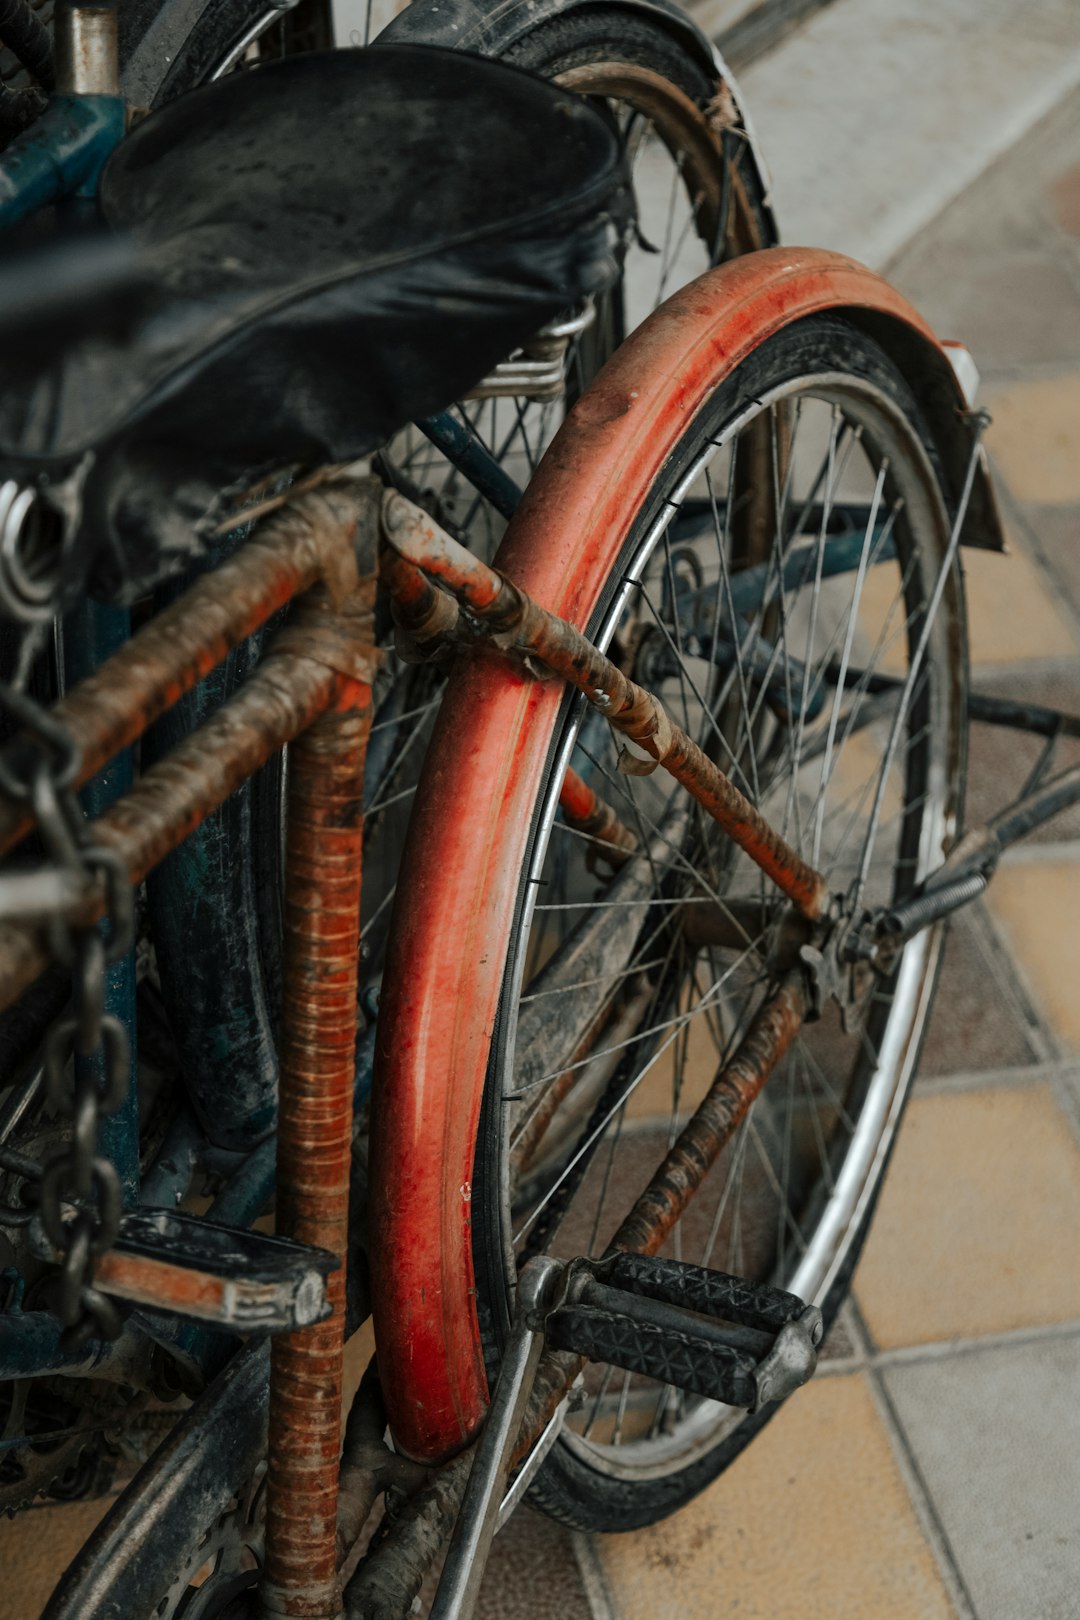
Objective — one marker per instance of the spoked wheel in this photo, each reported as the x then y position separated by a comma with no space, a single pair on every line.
621,993
698,201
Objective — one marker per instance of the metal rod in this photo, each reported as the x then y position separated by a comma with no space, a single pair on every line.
586,811
472,458
93,633
479,1515
713,1124
284,696
980,420
113,707
314,1139
633,711
982,707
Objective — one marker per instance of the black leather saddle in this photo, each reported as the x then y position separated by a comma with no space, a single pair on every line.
330,246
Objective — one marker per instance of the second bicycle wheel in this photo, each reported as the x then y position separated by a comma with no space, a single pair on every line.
624,992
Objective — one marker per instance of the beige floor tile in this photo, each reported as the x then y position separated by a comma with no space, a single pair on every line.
1037,904
1012,615
975,1232
1035,437
697,1056
35,1549
812,1523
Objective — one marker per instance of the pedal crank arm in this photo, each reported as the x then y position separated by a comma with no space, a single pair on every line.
478,1519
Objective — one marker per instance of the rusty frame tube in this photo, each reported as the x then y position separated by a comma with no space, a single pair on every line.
520,624
714,1122
112,708
386,1583
697,1148
324,844
586,811
284,696
700,1143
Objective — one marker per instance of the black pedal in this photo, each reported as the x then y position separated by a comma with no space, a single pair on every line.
702,1331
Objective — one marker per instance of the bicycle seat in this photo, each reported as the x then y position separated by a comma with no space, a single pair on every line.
337,244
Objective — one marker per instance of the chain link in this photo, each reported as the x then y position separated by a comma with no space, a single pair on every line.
79,1198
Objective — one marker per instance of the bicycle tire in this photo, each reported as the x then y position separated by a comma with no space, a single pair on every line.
510,867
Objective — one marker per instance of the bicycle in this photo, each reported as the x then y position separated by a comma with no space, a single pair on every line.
786,385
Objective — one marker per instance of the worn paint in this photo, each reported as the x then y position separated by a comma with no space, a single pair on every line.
441,986
314,1139
590,814
519,622
112,708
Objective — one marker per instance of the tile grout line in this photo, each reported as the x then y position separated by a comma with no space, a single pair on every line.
922,1501
1008,972
1018,520
909,1355
1020,1078
918,1490
1039,126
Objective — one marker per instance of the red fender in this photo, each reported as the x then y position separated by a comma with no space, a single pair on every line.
457,887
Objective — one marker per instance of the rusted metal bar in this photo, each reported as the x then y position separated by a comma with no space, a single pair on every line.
389,1579
109,710
281,699
536,1118
715,1121
589,813
733,923
314,1138
699,1145
368,1466
518,623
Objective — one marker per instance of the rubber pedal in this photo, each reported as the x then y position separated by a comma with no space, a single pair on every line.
702,1331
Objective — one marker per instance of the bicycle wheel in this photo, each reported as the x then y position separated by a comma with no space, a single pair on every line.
617,1000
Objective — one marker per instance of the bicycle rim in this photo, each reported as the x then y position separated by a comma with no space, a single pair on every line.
825,1121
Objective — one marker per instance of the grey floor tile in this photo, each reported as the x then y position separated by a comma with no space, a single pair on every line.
996,1435
533,1574
978,1021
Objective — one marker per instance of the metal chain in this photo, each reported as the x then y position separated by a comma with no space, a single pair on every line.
80,1201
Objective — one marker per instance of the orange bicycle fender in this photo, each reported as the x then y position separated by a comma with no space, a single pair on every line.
469,830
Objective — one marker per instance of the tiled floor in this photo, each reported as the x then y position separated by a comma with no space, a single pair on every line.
935,1470
933,1467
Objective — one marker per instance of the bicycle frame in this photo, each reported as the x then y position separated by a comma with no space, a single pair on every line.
59,161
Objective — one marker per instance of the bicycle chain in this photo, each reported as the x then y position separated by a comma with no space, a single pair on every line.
79,1195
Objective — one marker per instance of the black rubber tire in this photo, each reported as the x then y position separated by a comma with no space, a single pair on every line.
608,33
567,1488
